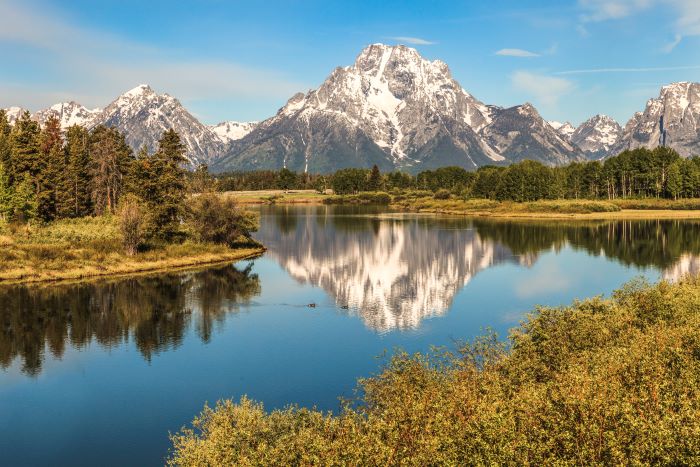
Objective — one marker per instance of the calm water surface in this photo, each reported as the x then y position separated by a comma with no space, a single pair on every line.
98,374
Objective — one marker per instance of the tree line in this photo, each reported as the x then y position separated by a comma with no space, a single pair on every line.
47,175
637,173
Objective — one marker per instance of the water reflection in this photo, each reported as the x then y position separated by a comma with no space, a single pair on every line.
395,270
392,270
152,311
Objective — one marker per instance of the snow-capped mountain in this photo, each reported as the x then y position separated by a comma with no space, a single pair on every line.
672,119
143,115
597,136
13,113
69,114
521,133
391,108
565,129
232,131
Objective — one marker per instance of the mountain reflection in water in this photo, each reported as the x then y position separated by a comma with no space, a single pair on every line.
394,270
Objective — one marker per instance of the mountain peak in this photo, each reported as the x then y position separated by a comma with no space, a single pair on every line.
139,90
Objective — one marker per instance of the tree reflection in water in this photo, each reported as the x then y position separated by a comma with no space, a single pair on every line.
153,311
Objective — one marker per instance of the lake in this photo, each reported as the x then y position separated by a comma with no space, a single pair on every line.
99,373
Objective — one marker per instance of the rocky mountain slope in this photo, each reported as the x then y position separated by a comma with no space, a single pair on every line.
232,131
143,115
69,114
672,119
565,129
398,110
597,136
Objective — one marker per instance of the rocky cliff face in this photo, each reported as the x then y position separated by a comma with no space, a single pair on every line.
395,109
672,119
597,136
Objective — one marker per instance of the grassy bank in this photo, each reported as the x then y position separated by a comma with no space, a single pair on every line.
91,247
556,209
276,197
425,201
601,382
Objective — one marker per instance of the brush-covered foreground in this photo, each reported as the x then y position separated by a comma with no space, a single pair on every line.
72,249
601,382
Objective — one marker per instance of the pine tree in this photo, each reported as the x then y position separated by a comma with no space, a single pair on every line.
24,204
76,201
5,145
111,163
6,194
24,147
166,200
375,179
49,179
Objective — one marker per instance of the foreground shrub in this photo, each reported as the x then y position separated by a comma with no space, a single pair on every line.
601,382
218,219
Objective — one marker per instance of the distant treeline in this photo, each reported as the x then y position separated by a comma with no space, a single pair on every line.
637,173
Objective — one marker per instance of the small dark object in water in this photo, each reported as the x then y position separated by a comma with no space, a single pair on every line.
344,307
311,305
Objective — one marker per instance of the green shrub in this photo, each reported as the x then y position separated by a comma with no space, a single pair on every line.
219,220
602,382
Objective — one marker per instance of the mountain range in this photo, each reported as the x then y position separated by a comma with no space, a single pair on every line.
395,109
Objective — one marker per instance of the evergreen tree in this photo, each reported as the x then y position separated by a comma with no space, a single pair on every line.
375,179
76,201
111,160
52,164
159,180
24,203
6,194
24,147
5,144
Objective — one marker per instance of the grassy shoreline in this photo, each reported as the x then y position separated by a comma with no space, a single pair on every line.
91,247
131,266
556,209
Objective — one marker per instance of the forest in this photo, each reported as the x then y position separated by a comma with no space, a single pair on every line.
637,173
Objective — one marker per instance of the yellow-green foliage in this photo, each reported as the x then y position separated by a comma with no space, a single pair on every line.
466,206
654,203
602,382
368,197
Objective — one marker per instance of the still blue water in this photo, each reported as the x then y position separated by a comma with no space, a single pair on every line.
100,373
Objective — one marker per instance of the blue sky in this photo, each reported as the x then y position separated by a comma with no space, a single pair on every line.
230,60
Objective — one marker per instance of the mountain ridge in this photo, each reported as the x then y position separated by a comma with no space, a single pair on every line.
395,109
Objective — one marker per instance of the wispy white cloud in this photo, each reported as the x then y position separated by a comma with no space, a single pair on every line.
413,40
668,48
627,70
517,53
687,12
99,66
546,90
602,10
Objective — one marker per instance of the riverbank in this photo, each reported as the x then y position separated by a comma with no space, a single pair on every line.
86,248
425,202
